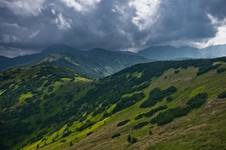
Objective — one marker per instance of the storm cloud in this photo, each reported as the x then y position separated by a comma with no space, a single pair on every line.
111,24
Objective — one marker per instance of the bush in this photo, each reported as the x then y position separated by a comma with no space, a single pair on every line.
155,110
139,87
140,125
37,146
203,70
150,132
176,71
135,97
206,68
115,135
89,133
157,95
139,116
63,141
221,70
88,124
128,101
222,95
122,123
169,115
197,100
66,132
169,99
131,139
151,112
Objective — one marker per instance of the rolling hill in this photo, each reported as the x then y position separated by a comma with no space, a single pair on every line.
94,63
157,105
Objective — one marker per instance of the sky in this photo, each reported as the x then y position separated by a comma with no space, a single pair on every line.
28,26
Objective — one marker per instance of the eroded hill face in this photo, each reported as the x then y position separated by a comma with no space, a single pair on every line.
159,105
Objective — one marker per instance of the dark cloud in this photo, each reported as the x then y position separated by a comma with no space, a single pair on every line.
111,24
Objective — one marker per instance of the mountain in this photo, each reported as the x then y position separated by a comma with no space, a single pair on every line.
170,52
158,105
173,53
94,63
214,51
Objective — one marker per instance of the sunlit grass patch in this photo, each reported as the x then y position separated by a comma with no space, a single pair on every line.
24,97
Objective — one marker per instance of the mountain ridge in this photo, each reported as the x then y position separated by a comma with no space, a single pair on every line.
172,53
84,62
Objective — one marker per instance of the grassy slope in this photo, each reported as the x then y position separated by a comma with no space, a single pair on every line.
202,128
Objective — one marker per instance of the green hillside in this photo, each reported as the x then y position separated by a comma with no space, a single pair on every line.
158,105
37,100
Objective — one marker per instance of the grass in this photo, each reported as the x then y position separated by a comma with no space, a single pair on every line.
188,85
24,97
1,92
207,132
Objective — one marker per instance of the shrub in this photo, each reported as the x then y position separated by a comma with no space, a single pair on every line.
176,71
156,95
139,87
222,95
203,70
135,97
107,114
128,101
131,139
221,70
150,132
122,123
140,125
151,112
115,135
169,115
66,132
37,146
197,100
169,99
139,116
206,68
86,125
63,141
89,133
155,110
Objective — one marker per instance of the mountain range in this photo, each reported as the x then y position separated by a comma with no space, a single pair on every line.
93,63
97,62
172,53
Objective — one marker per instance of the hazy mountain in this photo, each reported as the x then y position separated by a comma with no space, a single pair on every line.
214,51
93,63
172,53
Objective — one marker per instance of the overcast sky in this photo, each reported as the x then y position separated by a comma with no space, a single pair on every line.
27,26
